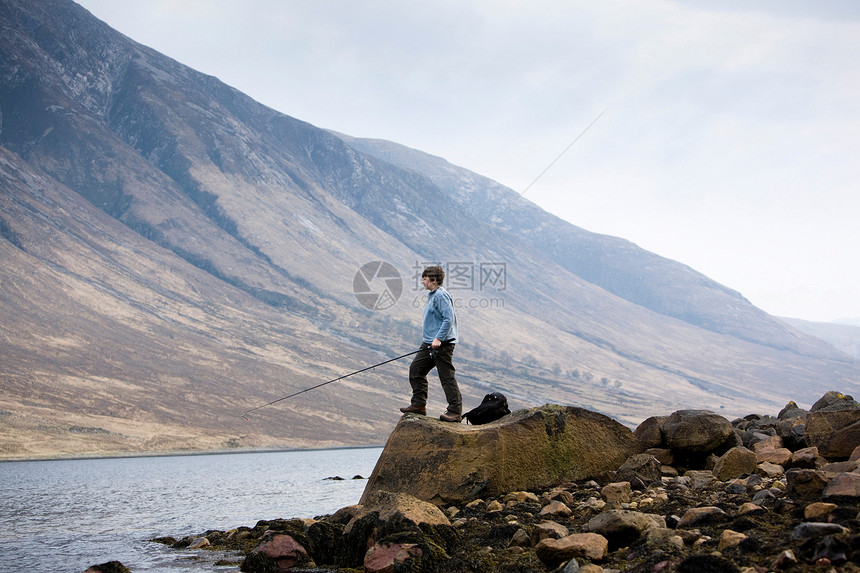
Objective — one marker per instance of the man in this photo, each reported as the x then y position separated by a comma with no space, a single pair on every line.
437,349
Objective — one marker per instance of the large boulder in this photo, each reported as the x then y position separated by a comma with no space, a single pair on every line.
695,433
390,507
834,401
833,425
735,463
398,528
650,432
530,449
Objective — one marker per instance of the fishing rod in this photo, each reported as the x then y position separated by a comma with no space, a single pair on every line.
245,413
522,193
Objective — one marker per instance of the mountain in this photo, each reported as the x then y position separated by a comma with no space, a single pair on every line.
176,254
617,265
843,337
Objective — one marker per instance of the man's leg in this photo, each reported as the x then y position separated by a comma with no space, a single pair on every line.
445,368
422,363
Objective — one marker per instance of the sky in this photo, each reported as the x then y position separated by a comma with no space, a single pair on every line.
723,134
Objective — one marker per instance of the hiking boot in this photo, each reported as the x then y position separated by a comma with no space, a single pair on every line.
450,417
414,410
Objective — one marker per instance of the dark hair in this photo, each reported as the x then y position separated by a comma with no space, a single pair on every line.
434,274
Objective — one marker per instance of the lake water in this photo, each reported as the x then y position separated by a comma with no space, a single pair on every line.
67,515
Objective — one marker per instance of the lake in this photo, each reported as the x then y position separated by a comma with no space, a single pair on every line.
66,515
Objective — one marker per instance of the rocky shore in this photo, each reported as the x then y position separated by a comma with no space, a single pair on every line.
701,494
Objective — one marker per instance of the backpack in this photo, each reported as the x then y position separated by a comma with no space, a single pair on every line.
492,407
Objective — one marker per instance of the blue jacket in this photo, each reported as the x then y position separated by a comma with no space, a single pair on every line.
440,320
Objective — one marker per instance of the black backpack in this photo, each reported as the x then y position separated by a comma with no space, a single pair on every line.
492,407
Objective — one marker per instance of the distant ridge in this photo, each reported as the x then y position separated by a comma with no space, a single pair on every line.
843,336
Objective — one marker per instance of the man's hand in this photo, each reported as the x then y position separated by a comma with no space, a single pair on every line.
436,344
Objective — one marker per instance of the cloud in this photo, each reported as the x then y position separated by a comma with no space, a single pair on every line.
729,142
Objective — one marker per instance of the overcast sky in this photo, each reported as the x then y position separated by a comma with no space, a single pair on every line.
729,140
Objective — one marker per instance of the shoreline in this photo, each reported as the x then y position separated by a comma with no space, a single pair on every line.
181,453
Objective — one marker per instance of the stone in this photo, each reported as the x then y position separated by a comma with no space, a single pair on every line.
791,410
784,560
650,432
398,506
276,552
752,437
394,518
520,539
553,552
769,470
698,515
833,425
494,506
735,463
555,509
778,456
700,479
729,538
792,432
696,431
593,503
385,557
810,529
840,467
527,450
663,538
662,455
527,496
736,488
750,508
669,472
805,484
548,530
833,400
767,443
559,494
621,527
835,434
617,491
109,567
644,467
199,543
805,458
817,510
831,550
845,486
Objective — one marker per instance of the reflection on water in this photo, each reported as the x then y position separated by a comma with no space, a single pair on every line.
67,515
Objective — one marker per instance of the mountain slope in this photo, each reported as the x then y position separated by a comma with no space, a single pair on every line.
617,265
175,253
